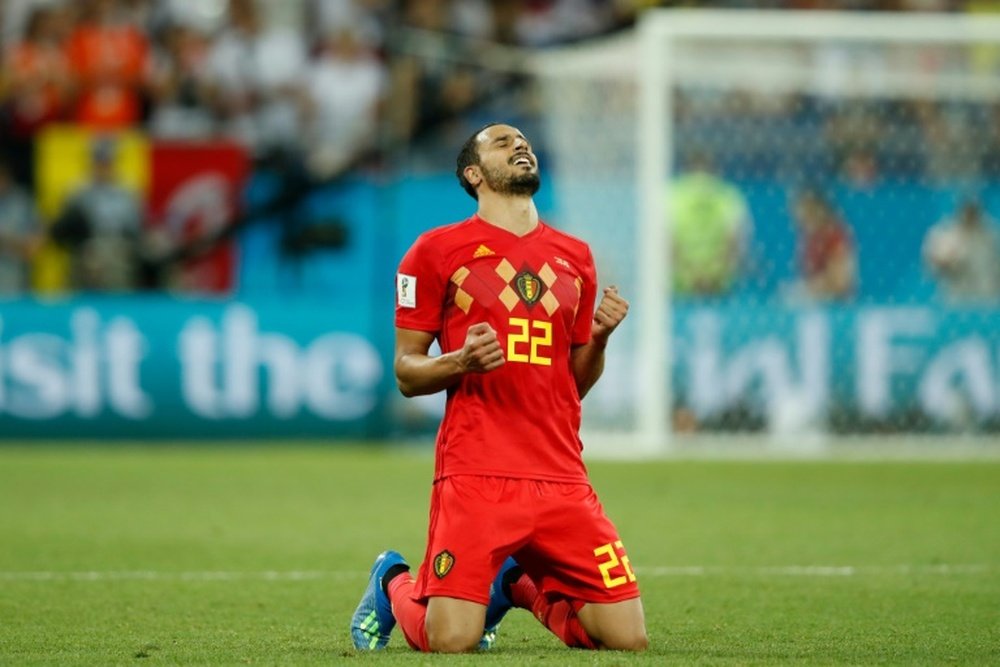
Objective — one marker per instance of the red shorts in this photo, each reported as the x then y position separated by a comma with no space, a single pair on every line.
557,532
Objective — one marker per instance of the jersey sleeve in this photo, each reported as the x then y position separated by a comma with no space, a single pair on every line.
420,289
588,292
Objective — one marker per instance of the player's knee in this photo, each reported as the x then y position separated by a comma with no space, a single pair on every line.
627,640
451,640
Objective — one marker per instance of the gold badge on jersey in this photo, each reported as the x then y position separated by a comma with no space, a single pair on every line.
529,286
443,563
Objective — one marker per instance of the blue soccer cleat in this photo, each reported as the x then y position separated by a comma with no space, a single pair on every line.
498,607
373,620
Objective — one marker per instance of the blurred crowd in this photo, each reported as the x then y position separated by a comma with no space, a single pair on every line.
335,84
316,75
846,5
299,74
816,146
863,120
322,86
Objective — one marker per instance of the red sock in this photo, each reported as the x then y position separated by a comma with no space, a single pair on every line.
559,616
409,613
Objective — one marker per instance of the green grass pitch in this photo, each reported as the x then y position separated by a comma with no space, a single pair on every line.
230,555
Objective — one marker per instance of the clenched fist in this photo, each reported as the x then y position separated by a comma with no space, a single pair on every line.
608,315
481,352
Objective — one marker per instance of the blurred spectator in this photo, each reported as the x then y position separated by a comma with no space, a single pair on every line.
109,55
345,85
19,234
14,15
860,168
991,140
365,18
547,22
711,223
853,132
253,74
177,86
952,138
827,255
37,78
102,227
140,13
206,16
963,253
442,82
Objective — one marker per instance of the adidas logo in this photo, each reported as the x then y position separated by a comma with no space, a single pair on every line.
482,251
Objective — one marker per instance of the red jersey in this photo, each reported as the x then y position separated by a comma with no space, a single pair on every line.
537,291
110,63
38,77
821,246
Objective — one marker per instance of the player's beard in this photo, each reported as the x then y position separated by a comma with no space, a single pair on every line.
524,184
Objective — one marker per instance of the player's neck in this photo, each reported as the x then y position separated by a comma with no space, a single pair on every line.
517,215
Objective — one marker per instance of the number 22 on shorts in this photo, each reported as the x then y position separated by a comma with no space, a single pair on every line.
613,555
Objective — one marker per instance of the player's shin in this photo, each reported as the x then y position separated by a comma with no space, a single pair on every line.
410,614
559,616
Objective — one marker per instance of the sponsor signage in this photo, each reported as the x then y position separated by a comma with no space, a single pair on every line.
148,367
166,368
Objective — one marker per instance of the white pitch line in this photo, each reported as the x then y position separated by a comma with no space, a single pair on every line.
161,575
819,570
648,571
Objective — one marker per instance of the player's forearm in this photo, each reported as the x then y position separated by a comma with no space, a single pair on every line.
421,374
588,364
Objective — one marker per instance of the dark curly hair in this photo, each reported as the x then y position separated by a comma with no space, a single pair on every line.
469,155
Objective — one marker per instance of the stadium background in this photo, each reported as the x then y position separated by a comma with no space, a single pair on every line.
275,316
199,468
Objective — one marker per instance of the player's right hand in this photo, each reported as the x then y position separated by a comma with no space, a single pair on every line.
482,352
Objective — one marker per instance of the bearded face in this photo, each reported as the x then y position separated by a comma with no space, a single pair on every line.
508,181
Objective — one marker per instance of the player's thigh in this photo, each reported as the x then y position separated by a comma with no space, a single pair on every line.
618,625
575,550
453,625
468,538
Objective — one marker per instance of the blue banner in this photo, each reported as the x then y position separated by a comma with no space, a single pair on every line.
904,367
161,367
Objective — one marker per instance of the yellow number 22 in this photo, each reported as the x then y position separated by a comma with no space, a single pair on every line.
537,333
614,560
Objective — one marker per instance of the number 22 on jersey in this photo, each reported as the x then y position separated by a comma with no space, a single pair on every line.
525,338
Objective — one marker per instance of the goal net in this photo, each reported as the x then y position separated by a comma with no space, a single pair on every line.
801,208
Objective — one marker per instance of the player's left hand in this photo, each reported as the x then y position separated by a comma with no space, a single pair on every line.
608,315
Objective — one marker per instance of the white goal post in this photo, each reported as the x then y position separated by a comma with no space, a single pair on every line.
633,77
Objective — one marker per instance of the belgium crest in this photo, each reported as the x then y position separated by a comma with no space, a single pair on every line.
529,286
443,563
